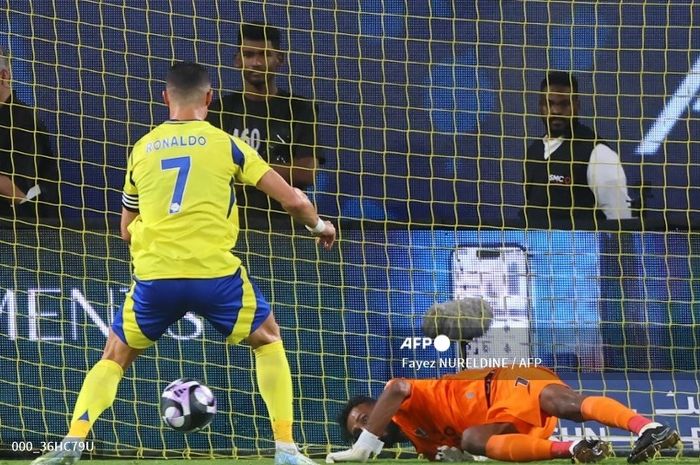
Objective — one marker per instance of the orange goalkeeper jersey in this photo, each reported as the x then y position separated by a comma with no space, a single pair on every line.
437,411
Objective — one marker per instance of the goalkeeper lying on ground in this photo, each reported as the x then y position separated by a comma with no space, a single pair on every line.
505,414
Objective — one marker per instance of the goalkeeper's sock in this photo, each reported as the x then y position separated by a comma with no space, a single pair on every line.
519,448
275,384
612,413
561,449
97,394
638,424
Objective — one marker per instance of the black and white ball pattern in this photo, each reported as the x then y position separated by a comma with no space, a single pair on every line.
187,405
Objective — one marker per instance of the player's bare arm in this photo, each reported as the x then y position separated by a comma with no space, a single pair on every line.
300,173
298,206
373,425
389,402
304,171
128,217
10,191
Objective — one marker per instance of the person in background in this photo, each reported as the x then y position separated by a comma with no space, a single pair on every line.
571,177
28,168
279,125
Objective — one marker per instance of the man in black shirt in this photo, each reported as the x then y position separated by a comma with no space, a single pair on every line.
572,178
281,127
28,171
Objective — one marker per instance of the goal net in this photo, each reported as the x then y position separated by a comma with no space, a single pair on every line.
424,114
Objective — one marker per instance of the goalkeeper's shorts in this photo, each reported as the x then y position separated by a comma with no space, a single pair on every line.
516,399
233,305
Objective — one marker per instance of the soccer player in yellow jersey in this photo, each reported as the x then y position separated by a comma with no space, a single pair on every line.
179,217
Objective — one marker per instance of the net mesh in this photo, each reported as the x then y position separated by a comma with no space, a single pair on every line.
425,112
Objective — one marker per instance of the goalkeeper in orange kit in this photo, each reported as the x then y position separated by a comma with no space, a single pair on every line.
505,414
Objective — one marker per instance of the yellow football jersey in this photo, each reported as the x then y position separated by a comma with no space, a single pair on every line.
180,178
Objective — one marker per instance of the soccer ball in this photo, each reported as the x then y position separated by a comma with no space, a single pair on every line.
186,405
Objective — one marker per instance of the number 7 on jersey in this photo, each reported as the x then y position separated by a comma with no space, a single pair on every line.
182,165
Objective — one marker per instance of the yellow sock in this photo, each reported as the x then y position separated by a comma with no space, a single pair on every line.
97,394
275,384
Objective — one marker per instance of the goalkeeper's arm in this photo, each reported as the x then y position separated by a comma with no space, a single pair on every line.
389,402
368,442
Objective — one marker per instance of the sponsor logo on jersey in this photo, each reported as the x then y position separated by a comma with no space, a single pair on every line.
559,179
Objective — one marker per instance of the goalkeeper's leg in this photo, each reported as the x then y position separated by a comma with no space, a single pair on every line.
526,448
96,395
562,402
275,384
502,441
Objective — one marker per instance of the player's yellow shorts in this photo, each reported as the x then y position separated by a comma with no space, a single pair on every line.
233,305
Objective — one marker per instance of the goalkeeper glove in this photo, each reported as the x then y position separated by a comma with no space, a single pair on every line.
365,445
452,454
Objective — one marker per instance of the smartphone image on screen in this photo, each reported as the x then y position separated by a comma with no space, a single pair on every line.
498,274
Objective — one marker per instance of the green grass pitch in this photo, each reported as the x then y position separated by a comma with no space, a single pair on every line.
270,461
